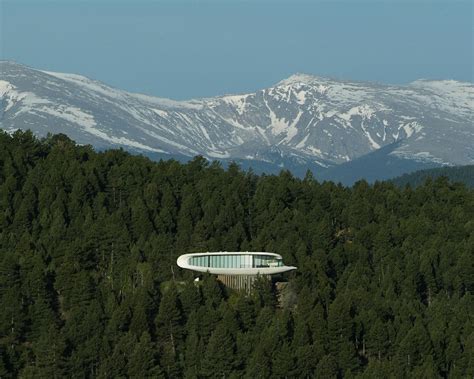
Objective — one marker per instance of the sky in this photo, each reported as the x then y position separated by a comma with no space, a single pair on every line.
188,49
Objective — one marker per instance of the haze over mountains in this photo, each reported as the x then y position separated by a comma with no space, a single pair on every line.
341,130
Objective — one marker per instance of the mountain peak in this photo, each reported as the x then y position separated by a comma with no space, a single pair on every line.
298,78
303,120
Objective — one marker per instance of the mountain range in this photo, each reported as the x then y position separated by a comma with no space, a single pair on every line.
341,130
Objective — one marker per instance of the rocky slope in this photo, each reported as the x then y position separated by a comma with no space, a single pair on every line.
303,121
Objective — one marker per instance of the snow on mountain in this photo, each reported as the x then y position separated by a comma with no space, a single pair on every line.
307,119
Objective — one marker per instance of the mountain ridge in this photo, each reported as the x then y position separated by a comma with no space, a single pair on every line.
309,120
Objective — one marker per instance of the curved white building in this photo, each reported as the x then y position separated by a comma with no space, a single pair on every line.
234,263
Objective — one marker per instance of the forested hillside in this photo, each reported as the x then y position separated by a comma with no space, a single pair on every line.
89,286
460,174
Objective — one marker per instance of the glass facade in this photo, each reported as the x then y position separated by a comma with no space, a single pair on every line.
235,261
201,261
266,261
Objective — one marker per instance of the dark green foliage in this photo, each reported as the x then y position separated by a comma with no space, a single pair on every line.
89,285
219,358
142,362
458,174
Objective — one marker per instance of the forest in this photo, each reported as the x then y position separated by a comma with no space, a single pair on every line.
456,174
89,286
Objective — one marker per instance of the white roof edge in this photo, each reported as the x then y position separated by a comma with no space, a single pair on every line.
232,253
243,271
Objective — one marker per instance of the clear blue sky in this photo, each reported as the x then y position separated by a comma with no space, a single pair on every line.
185,49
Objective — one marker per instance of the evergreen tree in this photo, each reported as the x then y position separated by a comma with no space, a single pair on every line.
169,330
50,354
219,358
142,362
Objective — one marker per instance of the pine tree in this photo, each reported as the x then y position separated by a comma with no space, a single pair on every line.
142,362
245,312
50,354
190,297
263,292
219,358
169,330
283,362
327,367
415,345
212,291
193,355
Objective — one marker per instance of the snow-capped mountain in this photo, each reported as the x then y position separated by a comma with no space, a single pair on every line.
306,120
